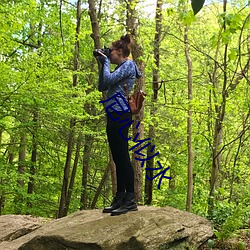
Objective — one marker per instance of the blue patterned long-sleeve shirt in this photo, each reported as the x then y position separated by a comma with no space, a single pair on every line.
113,82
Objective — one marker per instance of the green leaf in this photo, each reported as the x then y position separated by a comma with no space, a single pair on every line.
197,5
233,54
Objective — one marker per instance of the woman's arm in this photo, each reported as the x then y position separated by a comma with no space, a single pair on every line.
123,72
101,86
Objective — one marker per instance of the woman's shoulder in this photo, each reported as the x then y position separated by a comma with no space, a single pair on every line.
133,68
129,64
130,61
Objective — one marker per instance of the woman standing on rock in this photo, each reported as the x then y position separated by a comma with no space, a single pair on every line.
113,82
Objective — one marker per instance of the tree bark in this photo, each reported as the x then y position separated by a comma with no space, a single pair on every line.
113,173
1,135
97,44
94,24
19,198
137,52
217,141
33,156
22,159
98,191
66,176
189,125
64,191
73,174
35,111
85,169
150,163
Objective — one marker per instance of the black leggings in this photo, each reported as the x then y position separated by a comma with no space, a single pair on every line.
119,150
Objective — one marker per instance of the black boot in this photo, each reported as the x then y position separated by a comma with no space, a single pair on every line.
117,200
128,204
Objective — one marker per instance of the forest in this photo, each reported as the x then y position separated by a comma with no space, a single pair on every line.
195,60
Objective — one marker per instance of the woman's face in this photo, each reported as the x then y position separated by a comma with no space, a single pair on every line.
116,56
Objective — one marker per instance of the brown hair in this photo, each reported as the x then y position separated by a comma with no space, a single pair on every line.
124,44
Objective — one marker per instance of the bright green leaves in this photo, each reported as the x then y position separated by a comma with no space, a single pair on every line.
187,17
234,22
197,5
233,54
231,24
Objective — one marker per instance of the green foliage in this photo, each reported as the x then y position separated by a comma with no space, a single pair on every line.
38,80
241,245
235,221
221,212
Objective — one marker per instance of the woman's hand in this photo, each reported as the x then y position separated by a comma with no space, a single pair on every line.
101,58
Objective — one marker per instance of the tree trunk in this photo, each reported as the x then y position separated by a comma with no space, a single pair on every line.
19,198
172,181
64,191
137,53
21,159
113,173
73,174
35,112
2,198
1,135
98,191
33,157
150,163
217,142
189,125
94,24
97,44
66,170
11,152
85,169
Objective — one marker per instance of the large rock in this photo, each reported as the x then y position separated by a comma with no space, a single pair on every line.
15,226
148,228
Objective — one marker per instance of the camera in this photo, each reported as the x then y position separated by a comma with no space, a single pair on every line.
106,51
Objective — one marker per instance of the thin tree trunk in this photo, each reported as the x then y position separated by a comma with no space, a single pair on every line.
97,44
64,191
85,169
78,144
33,157
2,194
217,142
19,199
113,173
1,135
35,112
1,180
22,159
98,191
189,125
66,170
150,163
95,24
32,167
172,182
73,174
137,53
11,155
2,197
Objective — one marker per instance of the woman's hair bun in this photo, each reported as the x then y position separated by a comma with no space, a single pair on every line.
126,39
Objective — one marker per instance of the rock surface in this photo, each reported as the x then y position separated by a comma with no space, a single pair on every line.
15,226
148,228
